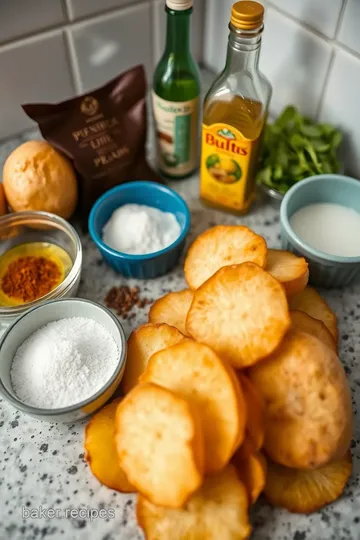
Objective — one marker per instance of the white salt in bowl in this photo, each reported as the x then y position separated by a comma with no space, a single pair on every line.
38,317
149,265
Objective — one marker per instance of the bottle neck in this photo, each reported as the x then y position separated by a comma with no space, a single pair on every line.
243,51
178,31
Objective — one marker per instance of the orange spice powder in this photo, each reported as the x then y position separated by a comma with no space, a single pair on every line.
30,278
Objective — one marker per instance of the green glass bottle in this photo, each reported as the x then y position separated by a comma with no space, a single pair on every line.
176,97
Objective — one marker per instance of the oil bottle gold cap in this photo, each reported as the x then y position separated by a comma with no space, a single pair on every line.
247,15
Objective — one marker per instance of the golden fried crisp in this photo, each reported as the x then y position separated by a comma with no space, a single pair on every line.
100,450
241,312
172,309
308,419
290,270
255,406
160,444
304,492
314,305
143,343
217,511
303,322
252,470
196,373
220,246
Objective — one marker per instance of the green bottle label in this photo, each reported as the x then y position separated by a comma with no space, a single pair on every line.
176,135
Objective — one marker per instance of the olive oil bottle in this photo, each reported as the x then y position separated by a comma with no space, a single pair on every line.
176,91
235,112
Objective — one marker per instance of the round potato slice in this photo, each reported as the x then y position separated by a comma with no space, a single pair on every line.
160,444
223,245
308,404
314,305
252,471
142,344
172,309
100,450
304,492
255,406
241,312
196,373
217,511
290,270
303,322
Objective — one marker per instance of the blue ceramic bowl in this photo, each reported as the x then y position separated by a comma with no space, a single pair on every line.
325,270
150,194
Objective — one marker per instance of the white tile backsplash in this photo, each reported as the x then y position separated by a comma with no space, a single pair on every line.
22,17
322,15
83,8
349,33
32,71
159,36
109,45
296,63
341,106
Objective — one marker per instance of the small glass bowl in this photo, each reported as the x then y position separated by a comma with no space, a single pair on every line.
40,316
24,227
272,193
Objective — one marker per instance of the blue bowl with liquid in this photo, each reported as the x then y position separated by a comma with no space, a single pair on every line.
152,194
326,270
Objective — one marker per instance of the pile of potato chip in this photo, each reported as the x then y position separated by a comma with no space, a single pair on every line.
234,388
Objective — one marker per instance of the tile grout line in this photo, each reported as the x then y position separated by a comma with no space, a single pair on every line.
69,25
302,24
341,18
332,59
347,50
332,42
72,62
153,33
202,54
325,83
66,9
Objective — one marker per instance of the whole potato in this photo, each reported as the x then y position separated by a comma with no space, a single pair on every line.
308,405
37,177
3,203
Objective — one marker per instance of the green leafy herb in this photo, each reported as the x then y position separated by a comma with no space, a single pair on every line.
295,147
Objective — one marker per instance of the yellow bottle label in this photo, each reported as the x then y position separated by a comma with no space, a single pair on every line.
226,166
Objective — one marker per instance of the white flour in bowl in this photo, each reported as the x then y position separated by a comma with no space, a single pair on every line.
137,229
64,363
328,227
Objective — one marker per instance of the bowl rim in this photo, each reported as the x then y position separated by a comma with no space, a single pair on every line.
273,193
38,411
141,257
299,243
44,218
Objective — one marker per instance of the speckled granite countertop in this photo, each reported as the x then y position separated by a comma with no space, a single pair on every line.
42,465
